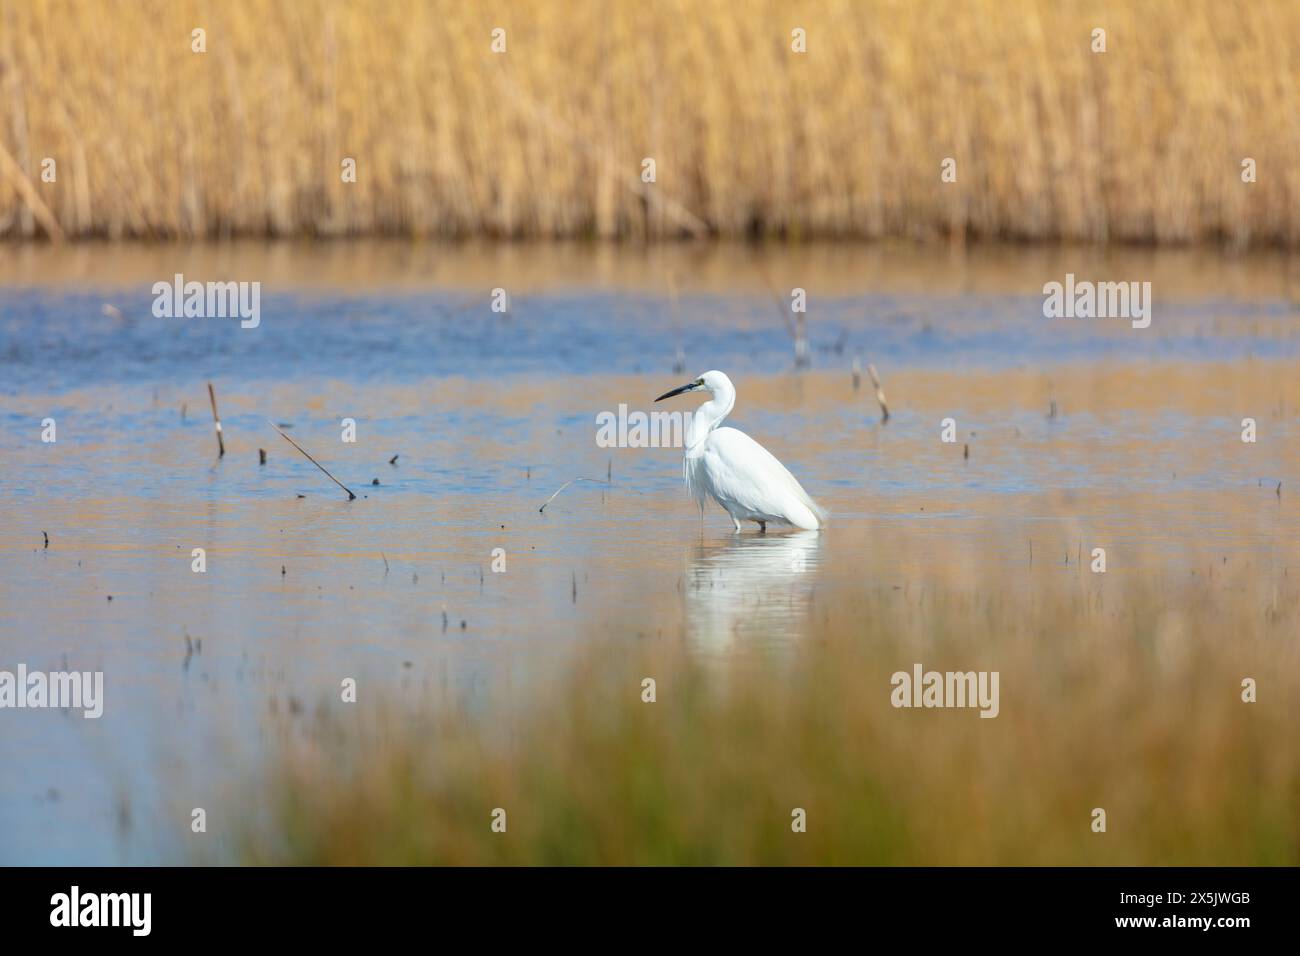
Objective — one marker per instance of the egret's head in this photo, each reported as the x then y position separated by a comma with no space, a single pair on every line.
713,382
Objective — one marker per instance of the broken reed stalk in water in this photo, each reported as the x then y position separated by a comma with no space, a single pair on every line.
221,442
794,322
880,394
351,496
679,356
608,482
596,481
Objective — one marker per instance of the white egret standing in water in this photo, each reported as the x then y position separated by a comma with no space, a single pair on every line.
737,472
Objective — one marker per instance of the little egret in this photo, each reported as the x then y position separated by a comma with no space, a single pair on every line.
737,472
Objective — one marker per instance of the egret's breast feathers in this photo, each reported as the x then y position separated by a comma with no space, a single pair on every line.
696,485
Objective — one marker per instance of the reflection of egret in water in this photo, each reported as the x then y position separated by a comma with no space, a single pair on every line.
751,590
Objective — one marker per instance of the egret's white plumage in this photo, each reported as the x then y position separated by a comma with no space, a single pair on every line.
734,470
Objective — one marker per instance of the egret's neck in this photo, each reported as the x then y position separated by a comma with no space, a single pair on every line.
708,417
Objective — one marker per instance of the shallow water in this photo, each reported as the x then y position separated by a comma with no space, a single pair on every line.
1069,433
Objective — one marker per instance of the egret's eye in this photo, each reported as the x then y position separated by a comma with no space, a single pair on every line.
699,381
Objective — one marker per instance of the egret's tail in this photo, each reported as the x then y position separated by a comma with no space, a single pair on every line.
819,514
823,514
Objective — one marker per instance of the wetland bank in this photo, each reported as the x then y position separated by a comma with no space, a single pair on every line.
772,654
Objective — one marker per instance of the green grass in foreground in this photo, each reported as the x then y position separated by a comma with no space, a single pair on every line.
1124,697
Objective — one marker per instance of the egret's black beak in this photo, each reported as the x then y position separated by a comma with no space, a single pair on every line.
688,387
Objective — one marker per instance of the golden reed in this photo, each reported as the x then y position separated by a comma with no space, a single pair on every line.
1142,143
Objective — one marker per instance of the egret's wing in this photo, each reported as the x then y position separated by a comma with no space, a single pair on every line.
743,470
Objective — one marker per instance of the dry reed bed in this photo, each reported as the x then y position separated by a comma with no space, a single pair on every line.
1141,143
